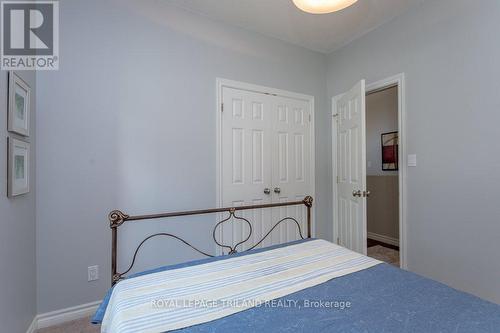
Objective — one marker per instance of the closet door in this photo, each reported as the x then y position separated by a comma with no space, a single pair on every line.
291,164
246,162
266,157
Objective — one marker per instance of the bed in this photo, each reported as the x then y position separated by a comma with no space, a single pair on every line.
308,285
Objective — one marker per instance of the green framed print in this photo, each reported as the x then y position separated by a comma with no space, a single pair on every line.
18,170
19,105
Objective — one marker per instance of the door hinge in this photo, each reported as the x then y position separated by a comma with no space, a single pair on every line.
338,240
222,107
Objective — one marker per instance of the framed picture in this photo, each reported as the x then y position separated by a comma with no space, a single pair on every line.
390,146
18,169
19,105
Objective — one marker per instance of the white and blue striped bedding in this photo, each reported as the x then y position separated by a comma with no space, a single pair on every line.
245,281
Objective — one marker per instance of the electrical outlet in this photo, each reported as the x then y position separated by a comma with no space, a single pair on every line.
93,273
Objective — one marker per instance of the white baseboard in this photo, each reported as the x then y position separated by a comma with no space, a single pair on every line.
64,315
383,239
33,327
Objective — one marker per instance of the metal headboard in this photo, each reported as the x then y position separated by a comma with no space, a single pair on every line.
117,218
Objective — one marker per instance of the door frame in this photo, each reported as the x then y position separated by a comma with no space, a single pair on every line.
226,83
399,81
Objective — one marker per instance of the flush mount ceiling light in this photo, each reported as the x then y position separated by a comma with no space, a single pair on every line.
323,6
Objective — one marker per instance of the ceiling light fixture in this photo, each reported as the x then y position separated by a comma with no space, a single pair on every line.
323,6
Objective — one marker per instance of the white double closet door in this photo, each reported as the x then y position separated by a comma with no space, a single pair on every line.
266,158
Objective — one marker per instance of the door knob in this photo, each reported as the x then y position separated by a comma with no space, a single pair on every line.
267,191
277,190
356,193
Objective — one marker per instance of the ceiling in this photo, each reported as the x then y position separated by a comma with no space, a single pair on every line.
281,19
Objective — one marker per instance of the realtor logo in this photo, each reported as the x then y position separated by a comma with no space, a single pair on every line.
30,35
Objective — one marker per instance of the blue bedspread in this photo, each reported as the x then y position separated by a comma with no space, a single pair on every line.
381,299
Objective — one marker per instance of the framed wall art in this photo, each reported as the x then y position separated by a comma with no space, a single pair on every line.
390,156
18,170
19,105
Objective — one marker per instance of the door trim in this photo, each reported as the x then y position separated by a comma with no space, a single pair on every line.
399,81
222,83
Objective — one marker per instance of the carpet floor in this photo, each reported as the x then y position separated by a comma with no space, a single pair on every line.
384,254
76,326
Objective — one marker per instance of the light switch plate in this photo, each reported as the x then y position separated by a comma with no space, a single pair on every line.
412,160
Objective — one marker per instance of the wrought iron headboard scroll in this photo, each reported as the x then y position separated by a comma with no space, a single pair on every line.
117,218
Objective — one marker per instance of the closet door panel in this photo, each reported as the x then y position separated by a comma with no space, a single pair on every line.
291,163
246,163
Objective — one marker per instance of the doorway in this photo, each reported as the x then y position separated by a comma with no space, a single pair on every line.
351,169
382,170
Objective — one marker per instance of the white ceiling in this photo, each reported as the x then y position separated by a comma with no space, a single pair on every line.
281,19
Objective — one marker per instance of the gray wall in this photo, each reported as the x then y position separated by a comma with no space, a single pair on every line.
450,56
17,229
383,205
129,122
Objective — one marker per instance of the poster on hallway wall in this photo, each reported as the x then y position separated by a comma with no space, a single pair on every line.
390,144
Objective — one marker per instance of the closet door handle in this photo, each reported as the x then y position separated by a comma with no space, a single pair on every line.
357,193
277,190
267,191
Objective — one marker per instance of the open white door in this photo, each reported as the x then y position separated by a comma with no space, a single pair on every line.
352,169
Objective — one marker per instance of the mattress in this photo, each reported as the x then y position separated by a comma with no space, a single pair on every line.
381,298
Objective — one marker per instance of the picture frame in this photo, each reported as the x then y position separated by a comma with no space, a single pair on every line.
390,151
18,170
19,105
